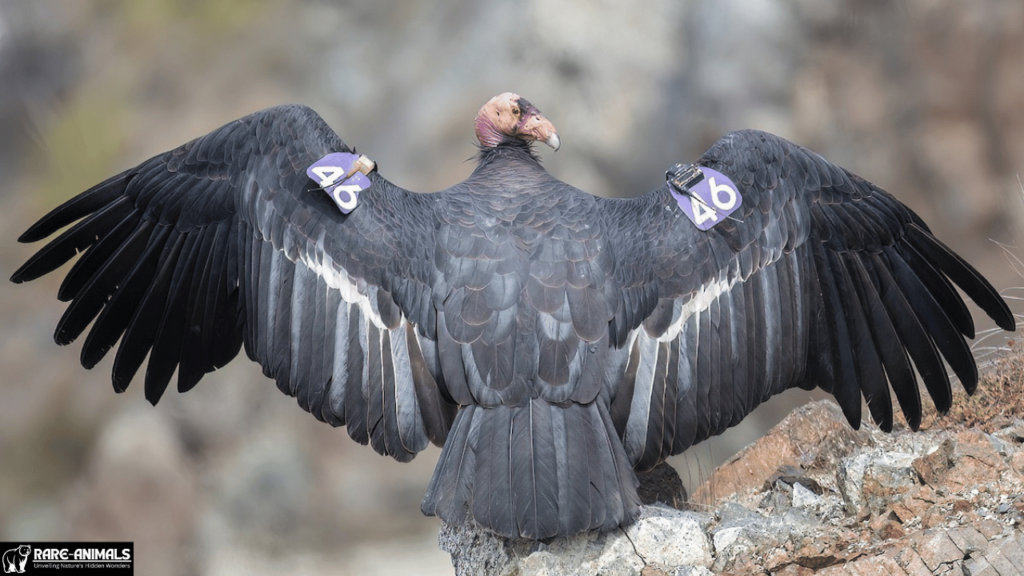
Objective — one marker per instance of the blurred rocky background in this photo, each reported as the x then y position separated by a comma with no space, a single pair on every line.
925,98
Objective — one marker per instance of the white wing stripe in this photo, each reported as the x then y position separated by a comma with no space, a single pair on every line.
314,257
708,293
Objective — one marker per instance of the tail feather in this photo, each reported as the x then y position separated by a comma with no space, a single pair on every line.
534,471
450,492
492,470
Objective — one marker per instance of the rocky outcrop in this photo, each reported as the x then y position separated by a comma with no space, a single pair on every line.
812,496
662,536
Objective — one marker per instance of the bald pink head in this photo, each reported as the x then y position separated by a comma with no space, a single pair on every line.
510,116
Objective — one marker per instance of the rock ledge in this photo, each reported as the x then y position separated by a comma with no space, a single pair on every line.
811,497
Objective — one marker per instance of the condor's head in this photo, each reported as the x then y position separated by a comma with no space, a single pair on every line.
508,117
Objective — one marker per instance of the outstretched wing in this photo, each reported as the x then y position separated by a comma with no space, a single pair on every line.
226,241
819,279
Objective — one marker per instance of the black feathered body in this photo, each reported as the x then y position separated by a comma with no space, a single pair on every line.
551,341
525,292
525,286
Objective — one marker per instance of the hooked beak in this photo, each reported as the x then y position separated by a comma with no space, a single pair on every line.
553,141
540,128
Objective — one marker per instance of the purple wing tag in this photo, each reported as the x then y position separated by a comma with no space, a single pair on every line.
330,171
709,201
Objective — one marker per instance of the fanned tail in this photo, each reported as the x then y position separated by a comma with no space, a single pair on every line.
534,471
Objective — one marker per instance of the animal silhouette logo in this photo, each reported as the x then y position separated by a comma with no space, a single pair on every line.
15,559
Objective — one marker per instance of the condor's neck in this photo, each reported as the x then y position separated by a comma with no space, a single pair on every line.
508,178
510,158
